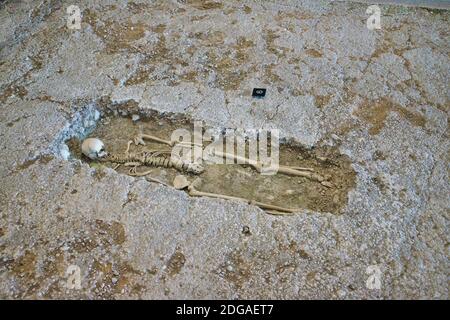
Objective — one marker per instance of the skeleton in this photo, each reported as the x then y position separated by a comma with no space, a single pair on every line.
272,209
154,159
288,170
163,158
293,171
139,139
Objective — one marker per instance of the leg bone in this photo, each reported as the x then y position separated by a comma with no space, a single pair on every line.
195,193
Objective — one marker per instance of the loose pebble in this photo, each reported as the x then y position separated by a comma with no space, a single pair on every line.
327,184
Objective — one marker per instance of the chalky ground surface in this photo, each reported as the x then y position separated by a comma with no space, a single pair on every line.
380,97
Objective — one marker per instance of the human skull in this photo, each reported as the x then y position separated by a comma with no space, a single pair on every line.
93,148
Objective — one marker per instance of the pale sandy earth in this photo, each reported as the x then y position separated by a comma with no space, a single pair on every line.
381,97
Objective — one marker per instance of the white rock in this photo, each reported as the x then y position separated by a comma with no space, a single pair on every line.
96,115
335,137
64,152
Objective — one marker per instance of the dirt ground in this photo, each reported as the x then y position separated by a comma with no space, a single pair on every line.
367,109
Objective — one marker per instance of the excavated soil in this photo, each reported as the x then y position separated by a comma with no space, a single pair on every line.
234,179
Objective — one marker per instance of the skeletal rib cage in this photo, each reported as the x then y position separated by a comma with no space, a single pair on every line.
156,159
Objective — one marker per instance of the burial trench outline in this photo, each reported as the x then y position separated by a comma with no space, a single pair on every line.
325,179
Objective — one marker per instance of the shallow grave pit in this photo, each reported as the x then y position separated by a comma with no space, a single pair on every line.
232,179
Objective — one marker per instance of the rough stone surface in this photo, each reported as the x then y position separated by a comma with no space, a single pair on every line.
381,95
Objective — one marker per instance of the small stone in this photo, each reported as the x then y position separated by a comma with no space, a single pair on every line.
135,117
341,293
230,268
336,199
327,184
96,115
180,182
64,152
335,137
289,192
